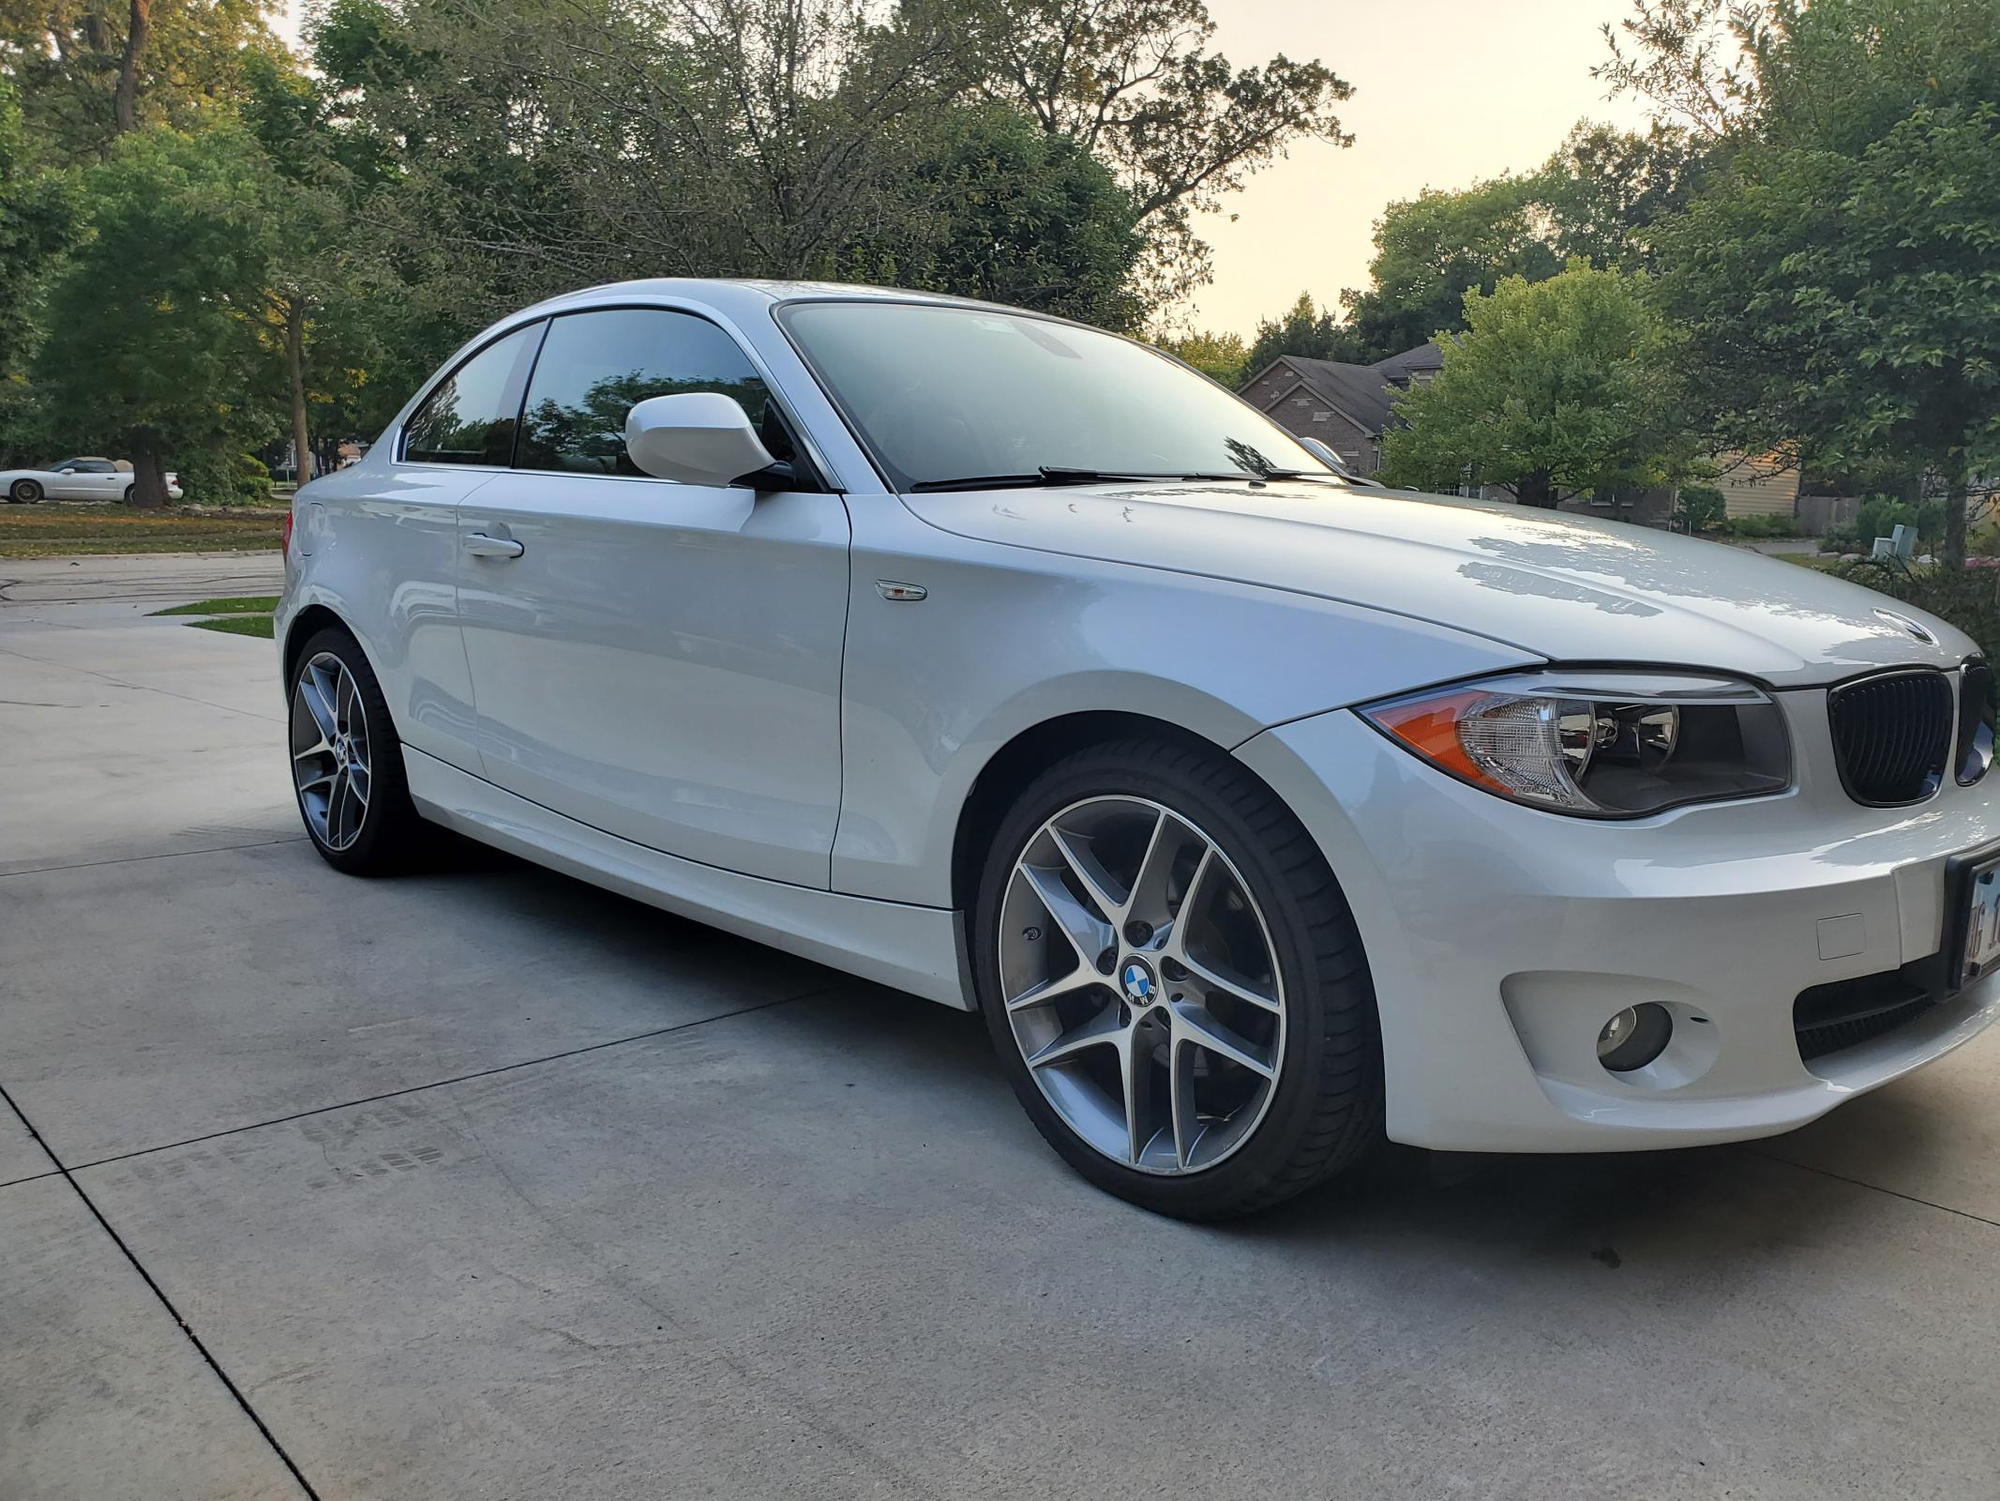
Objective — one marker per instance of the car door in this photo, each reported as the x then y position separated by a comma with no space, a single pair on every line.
657,660
100,479
63,481
392,568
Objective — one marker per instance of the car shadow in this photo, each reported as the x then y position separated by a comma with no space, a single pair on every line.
1596,1212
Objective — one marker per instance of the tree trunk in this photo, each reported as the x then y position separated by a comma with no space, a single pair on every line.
149,476
1954,519
295,365
126,99
1536,490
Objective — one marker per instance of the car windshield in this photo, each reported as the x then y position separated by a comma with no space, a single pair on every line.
947,397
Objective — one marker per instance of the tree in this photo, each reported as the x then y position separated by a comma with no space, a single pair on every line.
1134,83
166,295
1305,329
1223,358
1557,388
1690,58
1015,216
37,223
1836,274
314,263
1606,192
90,71
1431,250
536,145
1600,197
1852,306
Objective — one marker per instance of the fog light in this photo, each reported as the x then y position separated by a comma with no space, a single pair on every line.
1634,1037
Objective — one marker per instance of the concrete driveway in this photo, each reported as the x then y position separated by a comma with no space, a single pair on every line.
481,1183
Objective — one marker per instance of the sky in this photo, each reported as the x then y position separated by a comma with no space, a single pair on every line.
1445,92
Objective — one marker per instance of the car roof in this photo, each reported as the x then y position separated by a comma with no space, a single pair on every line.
740,296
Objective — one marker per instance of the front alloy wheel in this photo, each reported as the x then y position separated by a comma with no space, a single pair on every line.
1174,982
1140,985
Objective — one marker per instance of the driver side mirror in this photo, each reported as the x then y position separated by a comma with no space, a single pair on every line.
66,469
697,438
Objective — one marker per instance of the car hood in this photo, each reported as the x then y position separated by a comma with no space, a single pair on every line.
1575,588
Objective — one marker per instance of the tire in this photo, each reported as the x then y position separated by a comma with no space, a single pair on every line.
130,491
1248,873
24,492
333,687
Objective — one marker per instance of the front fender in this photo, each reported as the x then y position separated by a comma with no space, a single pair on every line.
1009,638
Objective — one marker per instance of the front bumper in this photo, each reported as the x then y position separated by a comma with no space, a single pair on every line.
1501,938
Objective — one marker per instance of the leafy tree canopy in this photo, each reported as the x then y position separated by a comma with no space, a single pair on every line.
1838,276
167,292
1557,388
1223,358
1432,249
68,56
1305,329
1136,84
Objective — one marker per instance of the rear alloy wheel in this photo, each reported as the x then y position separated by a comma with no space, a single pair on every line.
1175,984
24,492
347,763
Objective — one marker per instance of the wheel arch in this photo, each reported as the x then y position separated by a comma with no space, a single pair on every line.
309,620
1026,756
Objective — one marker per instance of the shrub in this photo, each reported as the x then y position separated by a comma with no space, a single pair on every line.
1967,597
250,479
1700,508
1758,526
1880,515
209,478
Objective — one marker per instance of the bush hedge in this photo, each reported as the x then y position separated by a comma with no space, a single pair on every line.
1967,597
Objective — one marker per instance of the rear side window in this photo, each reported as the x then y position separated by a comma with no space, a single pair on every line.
470,417
595,367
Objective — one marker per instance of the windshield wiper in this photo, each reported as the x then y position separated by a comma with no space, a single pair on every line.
1264,475
1048,474
1053,474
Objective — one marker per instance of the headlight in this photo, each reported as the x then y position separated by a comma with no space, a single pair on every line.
1618,744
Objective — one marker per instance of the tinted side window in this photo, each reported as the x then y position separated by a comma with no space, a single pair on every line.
96,466
595,367
469,418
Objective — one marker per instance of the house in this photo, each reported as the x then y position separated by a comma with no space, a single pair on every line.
1347,407
1350,407
1758,486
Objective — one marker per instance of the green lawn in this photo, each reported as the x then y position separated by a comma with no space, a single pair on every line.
56,531
243,604
238,614
238,625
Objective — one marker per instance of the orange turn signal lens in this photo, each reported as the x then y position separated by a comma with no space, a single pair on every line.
1430,728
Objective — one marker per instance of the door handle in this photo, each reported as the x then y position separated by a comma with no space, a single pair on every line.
482,546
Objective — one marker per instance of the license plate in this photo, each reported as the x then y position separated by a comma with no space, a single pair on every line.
1980,955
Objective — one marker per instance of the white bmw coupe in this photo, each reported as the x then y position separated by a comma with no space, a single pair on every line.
1262,815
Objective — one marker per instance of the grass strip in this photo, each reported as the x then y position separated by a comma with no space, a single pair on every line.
242,604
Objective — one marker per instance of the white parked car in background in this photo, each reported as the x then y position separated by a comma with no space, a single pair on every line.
74,479
1261,814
